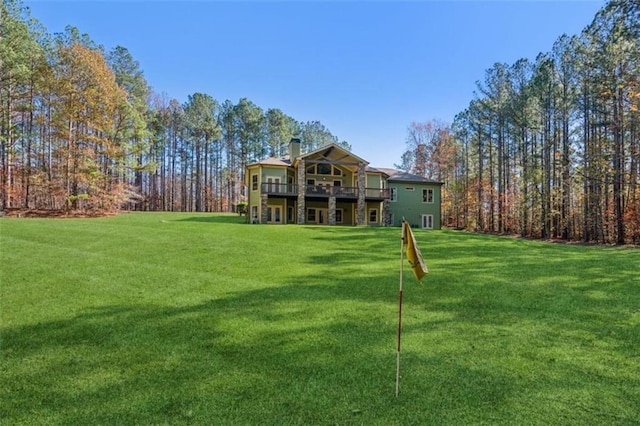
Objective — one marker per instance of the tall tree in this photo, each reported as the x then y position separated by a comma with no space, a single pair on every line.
131,125
280,129
20,58
314,135
203,129
88,99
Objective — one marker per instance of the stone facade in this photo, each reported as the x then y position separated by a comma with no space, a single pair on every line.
302,185
332,210
386,213
264,198
362,194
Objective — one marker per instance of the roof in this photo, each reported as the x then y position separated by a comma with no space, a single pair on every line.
272,161
400,176
394,175
330,149
370,169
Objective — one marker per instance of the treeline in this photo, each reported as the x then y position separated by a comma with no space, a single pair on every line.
547,148
80,128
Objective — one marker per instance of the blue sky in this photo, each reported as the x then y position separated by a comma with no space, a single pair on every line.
366,70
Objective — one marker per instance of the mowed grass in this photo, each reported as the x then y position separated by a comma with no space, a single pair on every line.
164,318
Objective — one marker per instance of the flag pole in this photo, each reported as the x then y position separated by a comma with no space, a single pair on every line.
400,311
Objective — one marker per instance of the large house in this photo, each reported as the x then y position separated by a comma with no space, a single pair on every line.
332,186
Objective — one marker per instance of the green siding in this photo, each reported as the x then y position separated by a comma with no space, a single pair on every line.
263,173
254,195
409,204
373,181
274,173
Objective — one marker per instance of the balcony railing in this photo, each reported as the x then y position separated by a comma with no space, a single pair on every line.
279,188
326,190
286,189
377,193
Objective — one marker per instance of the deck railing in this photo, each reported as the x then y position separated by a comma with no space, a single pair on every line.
289,189
378,193
279,188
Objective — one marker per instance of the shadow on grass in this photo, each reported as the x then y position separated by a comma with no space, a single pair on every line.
225,361
216,218
256,358
489,338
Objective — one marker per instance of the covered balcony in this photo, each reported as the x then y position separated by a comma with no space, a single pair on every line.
323,191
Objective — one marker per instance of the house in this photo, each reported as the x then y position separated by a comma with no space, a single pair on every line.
415,198
332,186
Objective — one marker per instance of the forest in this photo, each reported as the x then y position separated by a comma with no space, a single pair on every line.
81,129
547,148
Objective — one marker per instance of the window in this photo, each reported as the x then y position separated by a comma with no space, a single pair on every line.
373,216
311,181
427,195
427,221
394,194
254,212
324,169
269,214
409,188
311,215
290,214
254,182
338,215
273,184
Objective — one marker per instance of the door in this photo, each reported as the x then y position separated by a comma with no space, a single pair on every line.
427,221
274,214
322,216
273,184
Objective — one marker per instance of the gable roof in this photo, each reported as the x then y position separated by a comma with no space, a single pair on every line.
331,149
326,150
400,176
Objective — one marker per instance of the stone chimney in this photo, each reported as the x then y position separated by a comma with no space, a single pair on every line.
294,148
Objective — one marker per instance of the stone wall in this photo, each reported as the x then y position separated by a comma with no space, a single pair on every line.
302,187
332,210
362,194
263,208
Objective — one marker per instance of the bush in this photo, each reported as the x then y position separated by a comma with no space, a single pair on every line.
241,208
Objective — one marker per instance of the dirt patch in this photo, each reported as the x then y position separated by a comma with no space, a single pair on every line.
63,214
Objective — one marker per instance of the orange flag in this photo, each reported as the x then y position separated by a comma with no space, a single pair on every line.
413,253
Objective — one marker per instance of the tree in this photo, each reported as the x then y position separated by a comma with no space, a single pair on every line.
315,135
203,129
20,58
280,129
87,100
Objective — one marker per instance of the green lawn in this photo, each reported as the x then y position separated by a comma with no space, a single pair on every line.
164,318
